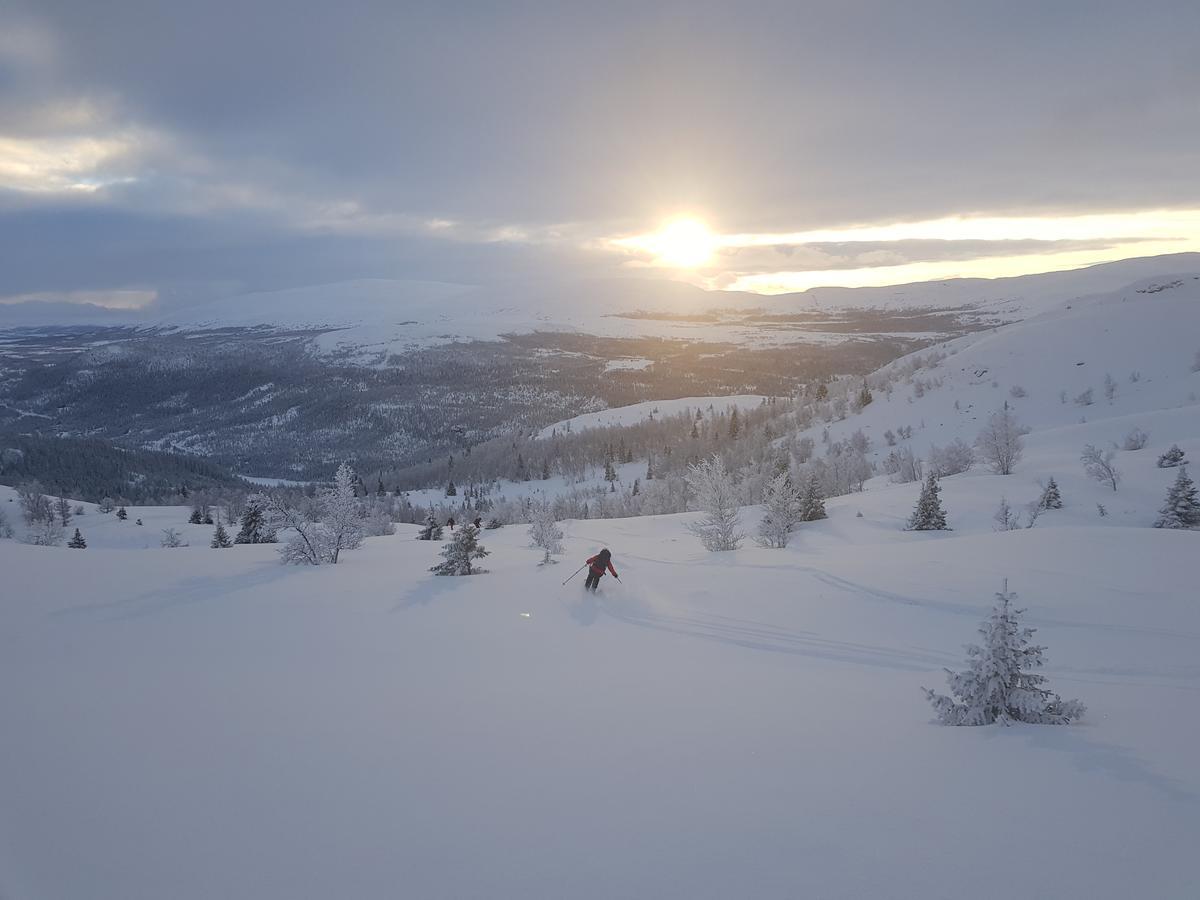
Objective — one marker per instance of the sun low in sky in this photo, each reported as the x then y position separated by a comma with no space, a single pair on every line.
682,243
872,254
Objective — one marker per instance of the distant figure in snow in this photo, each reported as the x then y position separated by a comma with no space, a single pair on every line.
597,564
450,522
478,523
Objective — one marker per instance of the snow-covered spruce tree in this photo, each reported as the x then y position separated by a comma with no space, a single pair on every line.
1001,442
929,515
122,514
62,506
460,553
1101,465
431,530
812,501
197,516
1051,498
782,502
544,530
77,542
1182,508
6,529
220,539
713,494
254,527
997,686
1171,458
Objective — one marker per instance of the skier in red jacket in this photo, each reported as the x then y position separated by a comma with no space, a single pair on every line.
597,564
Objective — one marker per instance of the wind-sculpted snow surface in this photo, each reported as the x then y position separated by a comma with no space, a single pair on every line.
191,723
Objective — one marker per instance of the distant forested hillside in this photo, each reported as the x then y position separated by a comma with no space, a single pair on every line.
90,469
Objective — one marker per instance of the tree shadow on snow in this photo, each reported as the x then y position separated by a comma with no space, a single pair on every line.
430,589
198,589
1098,758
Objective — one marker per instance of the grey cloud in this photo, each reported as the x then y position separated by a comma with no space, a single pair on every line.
765,116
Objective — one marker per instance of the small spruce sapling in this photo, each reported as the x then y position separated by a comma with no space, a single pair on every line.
1171,458
812,501
928,515
122,514
77,542
1051,497
998,686
220,540
431,530
460,553
1182,507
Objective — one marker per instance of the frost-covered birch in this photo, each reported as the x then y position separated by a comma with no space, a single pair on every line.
783,511
713,494
544,530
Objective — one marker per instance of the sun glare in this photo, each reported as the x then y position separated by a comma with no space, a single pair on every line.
682,244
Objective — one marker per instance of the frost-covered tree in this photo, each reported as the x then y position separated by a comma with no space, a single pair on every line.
35,505
1182,507
812,501
1135,440
6,529
122,514
782,512
902,466
1051,497
106,505
460,553
197,516
928,515
254,526
62,506
714,495
1110,387
998,685
431,530
45,533
544,530
172,538
77,542
341,513
1100,465
1005,518
953,459
220,539
451,490
1000,442
320,530
1171,458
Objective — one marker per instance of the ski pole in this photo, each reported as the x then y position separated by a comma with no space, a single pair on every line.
576,572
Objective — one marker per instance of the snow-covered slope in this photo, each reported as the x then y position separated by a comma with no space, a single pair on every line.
1145,337
195,723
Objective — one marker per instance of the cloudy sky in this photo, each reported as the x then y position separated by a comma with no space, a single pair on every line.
171,152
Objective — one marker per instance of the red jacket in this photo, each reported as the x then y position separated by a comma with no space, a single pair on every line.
598,567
